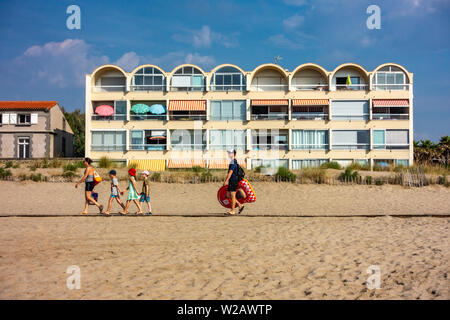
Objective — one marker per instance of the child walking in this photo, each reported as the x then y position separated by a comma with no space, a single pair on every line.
133,195
145,194
115,192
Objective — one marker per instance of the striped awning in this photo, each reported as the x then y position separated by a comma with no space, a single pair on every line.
224,163
186,163
187,105
310,102
391,103
148,164
270,102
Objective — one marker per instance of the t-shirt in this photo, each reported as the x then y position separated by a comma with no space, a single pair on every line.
144,184
234,167
114,183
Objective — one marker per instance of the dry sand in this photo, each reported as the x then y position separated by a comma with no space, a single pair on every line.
245,257
201,199
224,258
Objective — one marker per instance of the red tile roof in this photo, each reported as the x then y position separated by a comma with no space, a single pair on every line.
27,105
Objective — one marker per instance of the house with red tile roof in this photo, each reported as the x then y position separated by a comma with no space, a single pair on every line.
34,129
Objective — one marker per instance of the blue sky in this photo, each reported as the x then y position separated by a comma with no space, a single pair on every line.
41,59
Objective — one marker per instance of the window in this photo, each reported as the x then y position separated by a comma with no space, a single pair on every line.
188,139
270,163
23,147
390,78
379,139
397,139
24,119
307,163
269,140
350,139
63,146
234,110
188,79
228,79
108,140
349,110
309,139
227,139
148,79
148,139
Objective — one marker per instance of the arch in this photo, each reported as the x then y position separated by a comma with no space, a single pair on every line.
147,66
394,65
270,86
113,86
187,65
230,80
102,69
352,66
310,66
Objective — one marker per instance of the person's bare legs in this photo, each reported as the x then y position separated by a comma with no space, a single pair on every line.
91,199
234,202
108,210
120,203
136,202
125,210
86,205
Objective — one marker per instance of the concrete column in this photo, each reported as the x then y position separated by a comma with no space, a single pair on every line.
88,116
249,139
168,144
207,139
371,139
208,108
290,139
128,110
330,139
290,109
370,109
248,109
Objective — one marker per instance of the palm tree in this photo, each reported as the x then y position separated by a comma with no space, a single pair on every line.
444,149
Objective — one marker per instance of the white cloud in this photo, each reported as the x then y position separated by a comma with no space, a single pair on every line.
60,63
293,22
204,61
281,40
128,61
205,37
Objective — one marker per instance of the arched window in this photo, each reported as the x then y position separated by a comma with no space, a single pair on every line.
228,79
148,79
390,78
188,78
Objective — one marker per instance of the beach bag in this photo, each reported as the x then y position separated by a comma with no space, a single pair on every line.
97,178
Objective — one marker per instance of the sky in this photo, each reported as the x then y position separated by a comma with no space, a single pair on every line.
41,59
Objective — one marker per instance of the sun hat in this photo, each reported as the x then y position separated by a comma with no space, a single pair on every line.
113,172
145,172
132,172
231,151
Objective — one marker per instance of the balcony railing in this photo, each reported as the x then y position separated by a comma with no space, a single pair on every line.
115,117
227,87
187,117
269,146
117,88
387,87
315,87
350,146
309,146
226,147
351,87
308,116
269,87
108,147
397,146
390,116
147,147
190,88
270,116
139,117
188,146
225,118
148,87
354,117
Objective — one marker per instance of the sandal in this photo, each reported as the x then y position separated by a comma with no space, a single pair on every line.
241,209
101,209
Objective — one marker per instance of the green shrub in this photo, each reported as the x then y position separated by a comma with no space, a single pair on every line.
331,165
70,167
156,176
36,177
9,164
5,173
284,174
368,179
68,174
258,169
45,163
55,163
16,165
348,175
105,162
79,164
358,166
198,169
317,175
32,168
379,182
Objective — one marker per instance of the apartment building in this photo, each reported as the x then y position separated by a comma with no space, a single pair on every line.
34,129
272,116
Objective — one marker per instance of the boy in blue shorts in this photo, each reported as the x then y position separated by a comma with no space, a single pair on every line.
115,192
145,193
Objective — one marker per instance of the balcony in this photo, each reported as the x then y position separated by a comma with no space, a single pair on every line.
110,88
187,116
148,147
263,140
148,87
114,117
188,146
269,109
309,87
149,140
108,147
310,77
390,116
352,87
269,116
350,146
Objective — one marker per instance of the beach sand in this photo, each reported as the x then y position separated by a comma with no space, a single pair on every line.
224,258
28,198
214,257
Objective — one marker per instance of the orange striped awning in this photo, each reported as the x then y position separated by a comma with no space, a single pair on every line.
310,102
223,163
187,105
270,102
186,163
391,103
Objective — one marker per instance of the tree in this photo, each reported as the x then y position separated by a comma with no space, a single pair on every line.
76,122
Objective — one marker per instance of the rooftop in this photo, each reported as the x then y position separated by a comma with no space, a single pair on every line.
27,105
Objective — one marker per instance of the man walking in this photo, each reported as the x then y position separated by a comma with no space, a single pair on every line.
232,181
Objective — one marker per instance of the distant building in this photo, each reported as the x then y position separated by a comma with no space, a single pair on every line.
275,118
34,129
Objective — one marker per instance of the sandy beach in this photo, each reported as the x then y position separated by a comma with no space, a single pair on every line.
273,251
